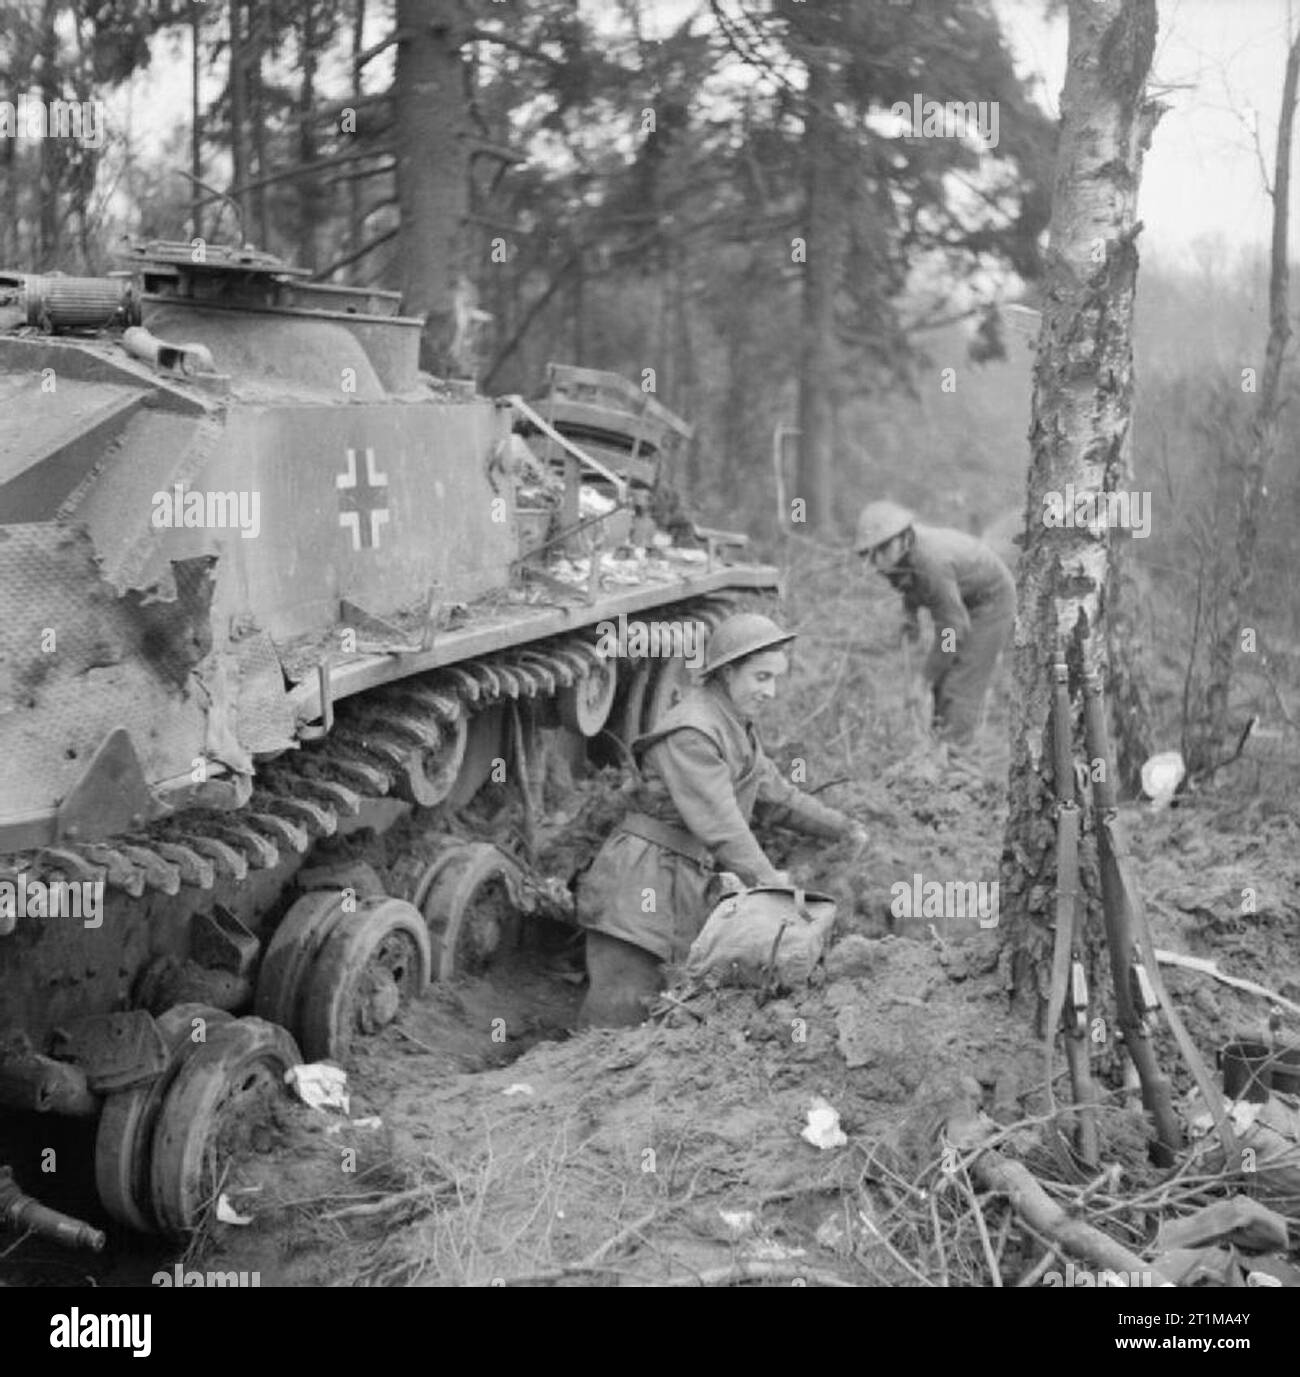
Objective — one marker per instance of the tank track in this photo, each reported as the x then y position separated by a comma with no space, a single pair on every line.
300,796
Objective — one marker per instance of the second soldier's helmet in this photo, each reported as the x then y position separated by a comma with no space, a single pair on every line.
744,633
879,522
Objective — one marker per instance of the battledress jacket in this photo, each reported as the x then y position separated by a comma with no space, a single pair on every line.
703,771
959,580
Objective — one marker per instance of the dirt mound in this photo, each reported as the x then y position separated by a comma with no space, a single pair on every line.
510,1152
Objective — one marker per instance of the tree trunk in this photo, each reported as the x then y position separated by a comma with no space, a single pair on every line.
356,227
1079,435
310,206
239,169
258,39
823,233
430,121
50,153
1130,701
1207,746
196,122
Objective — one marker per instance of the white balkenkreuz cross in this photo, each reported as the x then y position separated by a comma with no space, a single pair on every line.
358,500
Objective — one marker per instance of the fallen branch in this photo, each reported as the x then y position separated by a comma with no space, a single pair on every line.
386,1203
1207,967
1035,1273
755,1271
1031,1201
982,1227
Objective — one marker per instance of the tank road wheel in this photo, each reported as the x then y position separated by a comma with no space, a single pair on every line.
633,709
483,748
470,909
218,1095
429,774
585,706
668,681
375,961
126,1123
291,954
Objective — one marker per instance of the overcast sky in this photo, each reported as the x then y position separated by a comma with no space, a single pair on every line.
1201,181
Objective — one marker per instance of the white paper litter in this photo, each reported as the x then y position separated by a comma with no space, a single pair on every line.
830,1233
767,1250
518,1088
593,502
823,1129
738,1221
320,1085
227,1213
370,1121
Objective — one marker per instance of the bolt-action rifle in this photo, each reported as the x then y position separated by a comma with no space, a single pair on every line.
1139,989
1069,989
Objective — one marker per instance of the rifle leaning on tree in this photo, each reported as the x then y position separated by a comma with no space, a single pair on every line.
1068,974
1139,989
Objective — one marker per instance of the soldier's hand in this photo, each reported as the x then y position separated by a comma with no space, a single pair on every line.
729,882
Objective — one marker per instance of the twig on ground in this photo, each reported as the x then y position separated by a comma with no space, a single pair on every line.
938,1240
879,1240
1205,967
423,1046
980,1224
1032,1277
757,1271
388,1202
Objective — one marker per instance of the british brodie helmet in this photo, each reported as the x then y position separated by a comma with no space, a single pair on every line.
879,522
744,633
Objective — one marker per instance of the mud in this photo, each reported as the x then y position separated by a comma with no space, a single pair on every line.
488,1144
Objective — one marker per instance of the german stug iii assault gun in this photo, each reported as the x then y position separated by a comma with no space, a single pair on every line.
264,583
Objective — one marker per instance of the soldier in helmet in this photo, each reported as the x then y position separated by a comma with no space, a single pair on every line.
970,595
703,770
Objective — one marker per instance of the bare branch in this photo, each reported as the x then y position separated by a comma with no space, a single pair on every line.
349,258
397,36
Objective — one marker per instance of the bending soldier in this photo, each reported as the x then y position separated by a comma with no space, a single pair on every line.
970,595
703,770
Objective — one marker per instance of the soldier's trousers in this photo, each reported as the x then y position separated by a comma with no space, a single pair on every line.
623,980
960,691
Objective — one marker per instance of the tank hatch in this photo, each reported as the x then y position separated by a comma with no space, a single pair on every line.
247,279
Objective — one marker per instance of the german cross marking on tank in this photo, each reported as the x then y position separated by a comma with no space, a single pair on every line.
360,498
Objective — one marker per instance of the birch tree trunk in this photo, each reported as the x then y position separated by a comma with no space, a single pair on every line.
1079,436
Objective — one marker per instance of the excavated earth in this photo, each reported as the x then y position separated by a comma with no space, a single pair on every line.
508,1150
486,1143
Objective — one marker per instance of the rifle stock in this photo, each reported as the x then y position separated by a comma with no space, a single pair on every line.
1120,925
1069,922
